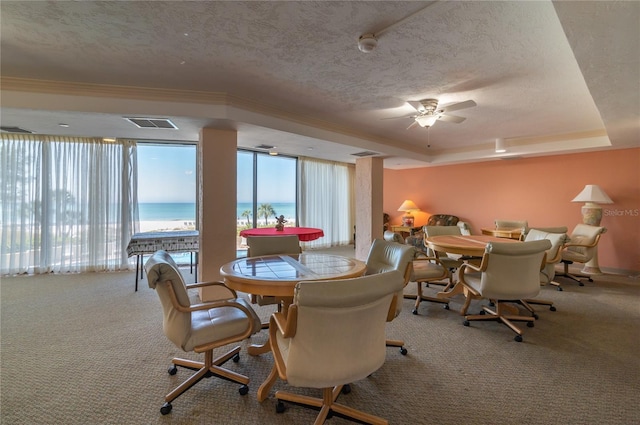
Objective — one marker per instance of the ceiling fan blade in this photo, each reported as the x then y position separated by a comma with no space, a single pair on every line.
416,105
458,106
413,124
395,118
451,118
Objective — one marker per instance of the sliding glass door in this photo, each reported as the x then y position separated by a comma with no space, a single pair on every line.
267,187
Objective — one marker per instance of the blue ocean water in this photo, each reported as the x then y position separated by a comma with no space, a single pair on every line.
187,211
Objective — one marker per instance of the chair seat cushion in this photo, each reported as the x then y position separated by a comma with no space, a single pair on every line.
426,270
220,323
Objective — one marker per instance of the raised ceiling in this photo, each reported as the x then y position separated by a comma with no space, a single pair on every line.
548,77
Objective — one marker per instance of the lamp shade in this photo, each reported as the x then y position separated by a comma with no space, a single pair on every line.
592,193
408,206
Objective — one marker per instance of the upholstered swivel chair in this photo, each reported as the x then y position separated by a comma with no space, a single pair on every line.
509,272
580,249
385,256
558,237
417,238
552,258
271,245
333,335
426,269
451,261
199,327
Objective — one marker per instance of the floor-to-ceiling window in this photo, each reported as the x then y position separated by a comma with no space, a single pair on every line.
267,187
167,190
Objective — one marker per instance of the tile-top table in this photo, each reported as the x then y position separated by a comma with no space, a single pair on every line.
174,241
277,275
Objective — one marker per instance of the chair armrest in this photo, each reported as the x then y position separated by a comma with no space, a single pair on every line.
421,256
232,292
286,325
206,305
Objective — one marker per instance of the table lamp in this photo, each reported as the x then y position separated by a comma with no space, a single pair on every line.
408,207
592,195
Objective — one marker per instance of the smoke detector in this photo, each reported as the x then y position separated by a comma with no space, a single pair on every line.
367,42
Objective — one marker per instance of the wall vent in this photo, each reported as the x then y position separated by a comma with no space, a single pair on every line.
151,122
8,129
365,153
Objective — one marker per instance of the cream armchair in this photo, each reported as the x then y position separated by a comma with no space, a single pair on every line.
199,327
581,248
333,335
385,256
509,272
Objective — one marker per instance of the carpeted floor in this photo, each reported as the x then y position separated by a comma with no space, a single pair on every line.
87,349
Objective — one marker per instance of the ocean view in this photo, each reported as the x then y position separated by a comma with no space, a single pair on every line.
187,211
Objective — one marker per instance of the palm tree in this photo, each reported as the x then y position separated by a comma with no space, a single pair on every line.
247,214
266,210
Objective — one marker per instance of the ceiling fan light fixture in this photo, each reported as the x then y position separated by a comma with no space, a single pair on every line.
367,42
500,147
426,120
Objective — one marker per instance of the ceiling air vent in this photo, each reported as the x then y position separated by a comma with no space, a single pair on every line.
265,147
151,122
15,130
365,153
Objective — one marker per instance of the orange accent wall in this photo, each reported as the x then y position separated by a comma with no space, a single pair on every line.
538,190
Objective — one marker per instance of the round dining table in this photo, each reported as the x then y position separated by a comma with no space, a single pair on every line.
304,234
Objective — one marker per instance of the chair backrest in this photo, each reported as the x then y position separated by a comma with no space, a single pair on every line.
513,224
583,236
511,271
430,231
340,331
162,273
554,253
271,245
385,256
442,220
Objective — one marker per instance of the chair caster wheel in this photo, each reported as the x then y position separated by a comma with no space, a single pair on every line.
552,308
482,313
346,389
415,311
581,284
280,407
535,316
173,369
560,288
403,351
446,307
518,338
166,408
530,324
466,323
236,358
244,390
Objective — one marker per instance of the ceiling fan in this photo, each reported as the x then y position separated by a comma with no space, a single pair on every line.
428,112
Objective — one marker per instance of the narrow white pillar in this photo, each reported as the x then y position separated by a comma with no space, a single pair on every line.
368,189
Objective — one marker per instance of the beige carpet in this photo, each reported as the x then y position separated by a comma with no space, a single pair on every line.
87,349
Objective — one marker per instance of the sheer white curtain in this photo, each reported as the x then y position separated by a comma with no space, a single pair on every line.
68,203
326,200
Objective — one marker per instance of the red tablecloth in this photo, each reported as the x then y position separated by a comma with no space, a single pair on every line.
305,234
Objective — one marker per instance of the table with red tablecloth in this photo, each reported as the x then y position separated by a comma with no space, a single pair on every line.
305,234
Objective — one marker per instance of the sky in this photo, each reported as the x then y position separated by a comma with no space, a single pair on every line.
168,174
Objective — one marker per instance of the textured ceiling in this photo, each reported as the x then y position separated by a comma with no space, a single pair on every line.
548,77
